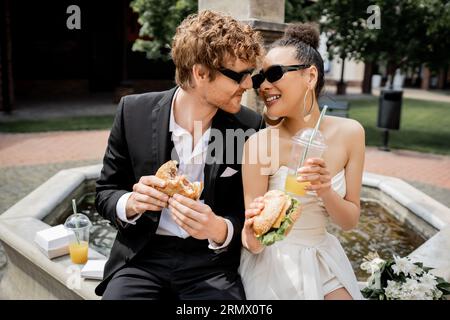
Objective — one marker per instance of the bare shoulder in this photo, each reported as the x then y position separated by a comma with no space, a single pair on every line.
262,149
349,128
263,137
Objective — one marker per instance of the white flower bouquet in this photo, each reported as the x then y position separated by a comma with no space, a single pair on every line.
401,279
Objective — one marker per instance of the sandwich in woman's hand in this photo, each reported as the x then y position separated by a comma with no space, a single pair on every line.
177,184
277,218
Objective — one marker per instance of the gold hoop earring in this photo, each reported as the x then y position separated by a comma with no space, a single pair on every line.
306,115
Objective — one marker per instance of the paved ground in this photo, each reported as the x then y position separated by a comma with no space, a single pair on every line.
52,147
409,165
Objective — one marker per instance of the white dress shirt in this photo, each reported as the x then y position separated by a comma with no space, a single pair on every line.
191,164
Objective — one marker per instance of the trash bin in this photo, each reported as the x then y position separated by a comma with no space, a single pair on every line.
389,109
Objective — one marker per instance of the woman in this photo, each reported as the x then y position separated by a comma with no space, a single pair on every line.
309,263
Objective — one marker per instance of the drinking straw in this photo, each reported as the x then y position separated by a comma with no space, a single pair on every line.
74,208
316,128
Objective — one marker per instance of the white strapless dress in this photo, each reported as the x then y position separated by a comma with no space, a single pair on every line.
309,263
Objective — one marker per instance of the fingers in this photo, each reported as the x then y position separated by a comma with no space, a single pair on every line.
254,208
315,187
140,207
312,170
192,204
313,166
147,198
256,205
250,213
259,199
150,200
315,161
313,174
151,192
184,221
152,181
316,173
249,223
184,210
314,178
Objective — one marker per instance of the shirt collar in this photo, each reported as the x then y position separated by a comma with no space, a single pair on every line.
178,132
173,126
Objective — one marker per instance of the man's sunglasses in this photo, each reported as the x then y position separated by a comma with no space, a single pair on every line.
275,73
239,77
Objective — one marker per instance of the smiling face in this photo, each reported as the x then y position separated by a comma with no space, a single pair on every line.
223,92
284,98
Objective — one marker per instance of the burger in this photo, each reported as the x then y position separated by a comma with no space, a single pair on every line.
177,183
277,218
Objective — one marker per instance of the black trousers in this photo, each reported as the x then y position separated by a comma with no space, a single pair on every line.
174,268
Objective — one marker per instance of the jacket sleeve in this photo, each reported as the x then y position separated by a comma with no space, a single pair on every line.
116,177
236,212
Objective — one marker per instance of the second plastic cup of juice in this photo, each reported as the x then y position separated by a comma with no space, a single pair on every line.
299,144
79,245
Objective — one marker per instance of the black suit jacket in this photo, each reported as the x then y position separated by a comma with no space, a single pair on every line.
139,143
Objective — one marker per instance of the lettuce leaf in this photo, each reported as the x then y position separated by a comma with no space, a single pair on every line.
277,234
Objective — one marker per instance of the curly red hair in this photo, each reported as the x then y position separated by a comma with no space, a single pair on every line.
208,38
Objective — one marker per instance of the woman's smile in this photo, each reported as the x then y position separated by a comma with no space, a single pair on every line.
271,99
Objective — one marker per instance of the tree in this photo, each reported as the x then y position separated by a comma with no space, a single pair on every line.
412,32
342,22
159,20
437,34
299,11
399,40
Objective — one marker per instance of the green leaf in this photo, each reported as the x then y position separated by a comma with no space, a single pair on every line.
159,20
275,235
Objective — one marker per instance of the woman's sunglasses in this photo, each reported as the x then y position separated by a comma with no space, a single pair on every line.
239,77
275,73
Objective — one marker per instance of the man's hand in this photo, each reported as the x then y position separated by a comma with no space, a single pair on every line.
198,219
145,197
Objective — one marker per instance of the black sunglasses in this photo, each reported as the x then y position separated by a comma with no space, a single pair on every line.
239,77
275,73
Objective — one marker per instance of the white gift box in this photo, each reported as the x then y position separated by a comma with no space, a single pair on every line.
54,241
93,269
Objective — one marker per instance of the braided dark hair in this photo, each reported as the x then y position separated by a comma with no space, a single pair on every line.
304,37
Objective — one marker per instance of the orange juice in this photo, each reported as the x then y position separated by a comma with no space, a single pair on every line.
295,187
79,252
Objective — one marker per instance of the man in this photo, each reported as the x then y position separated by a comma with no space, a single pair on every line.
178,247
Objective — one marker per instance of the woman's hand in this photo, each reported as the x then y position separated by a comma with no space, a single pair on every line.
315,171
249,239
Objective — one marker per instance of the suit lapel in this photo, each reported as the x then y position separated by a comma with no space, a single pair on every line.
160,139
161,142
214,157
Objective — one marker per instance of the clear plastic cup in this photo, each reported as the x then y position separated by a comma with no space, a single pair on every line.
79,245
315,150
